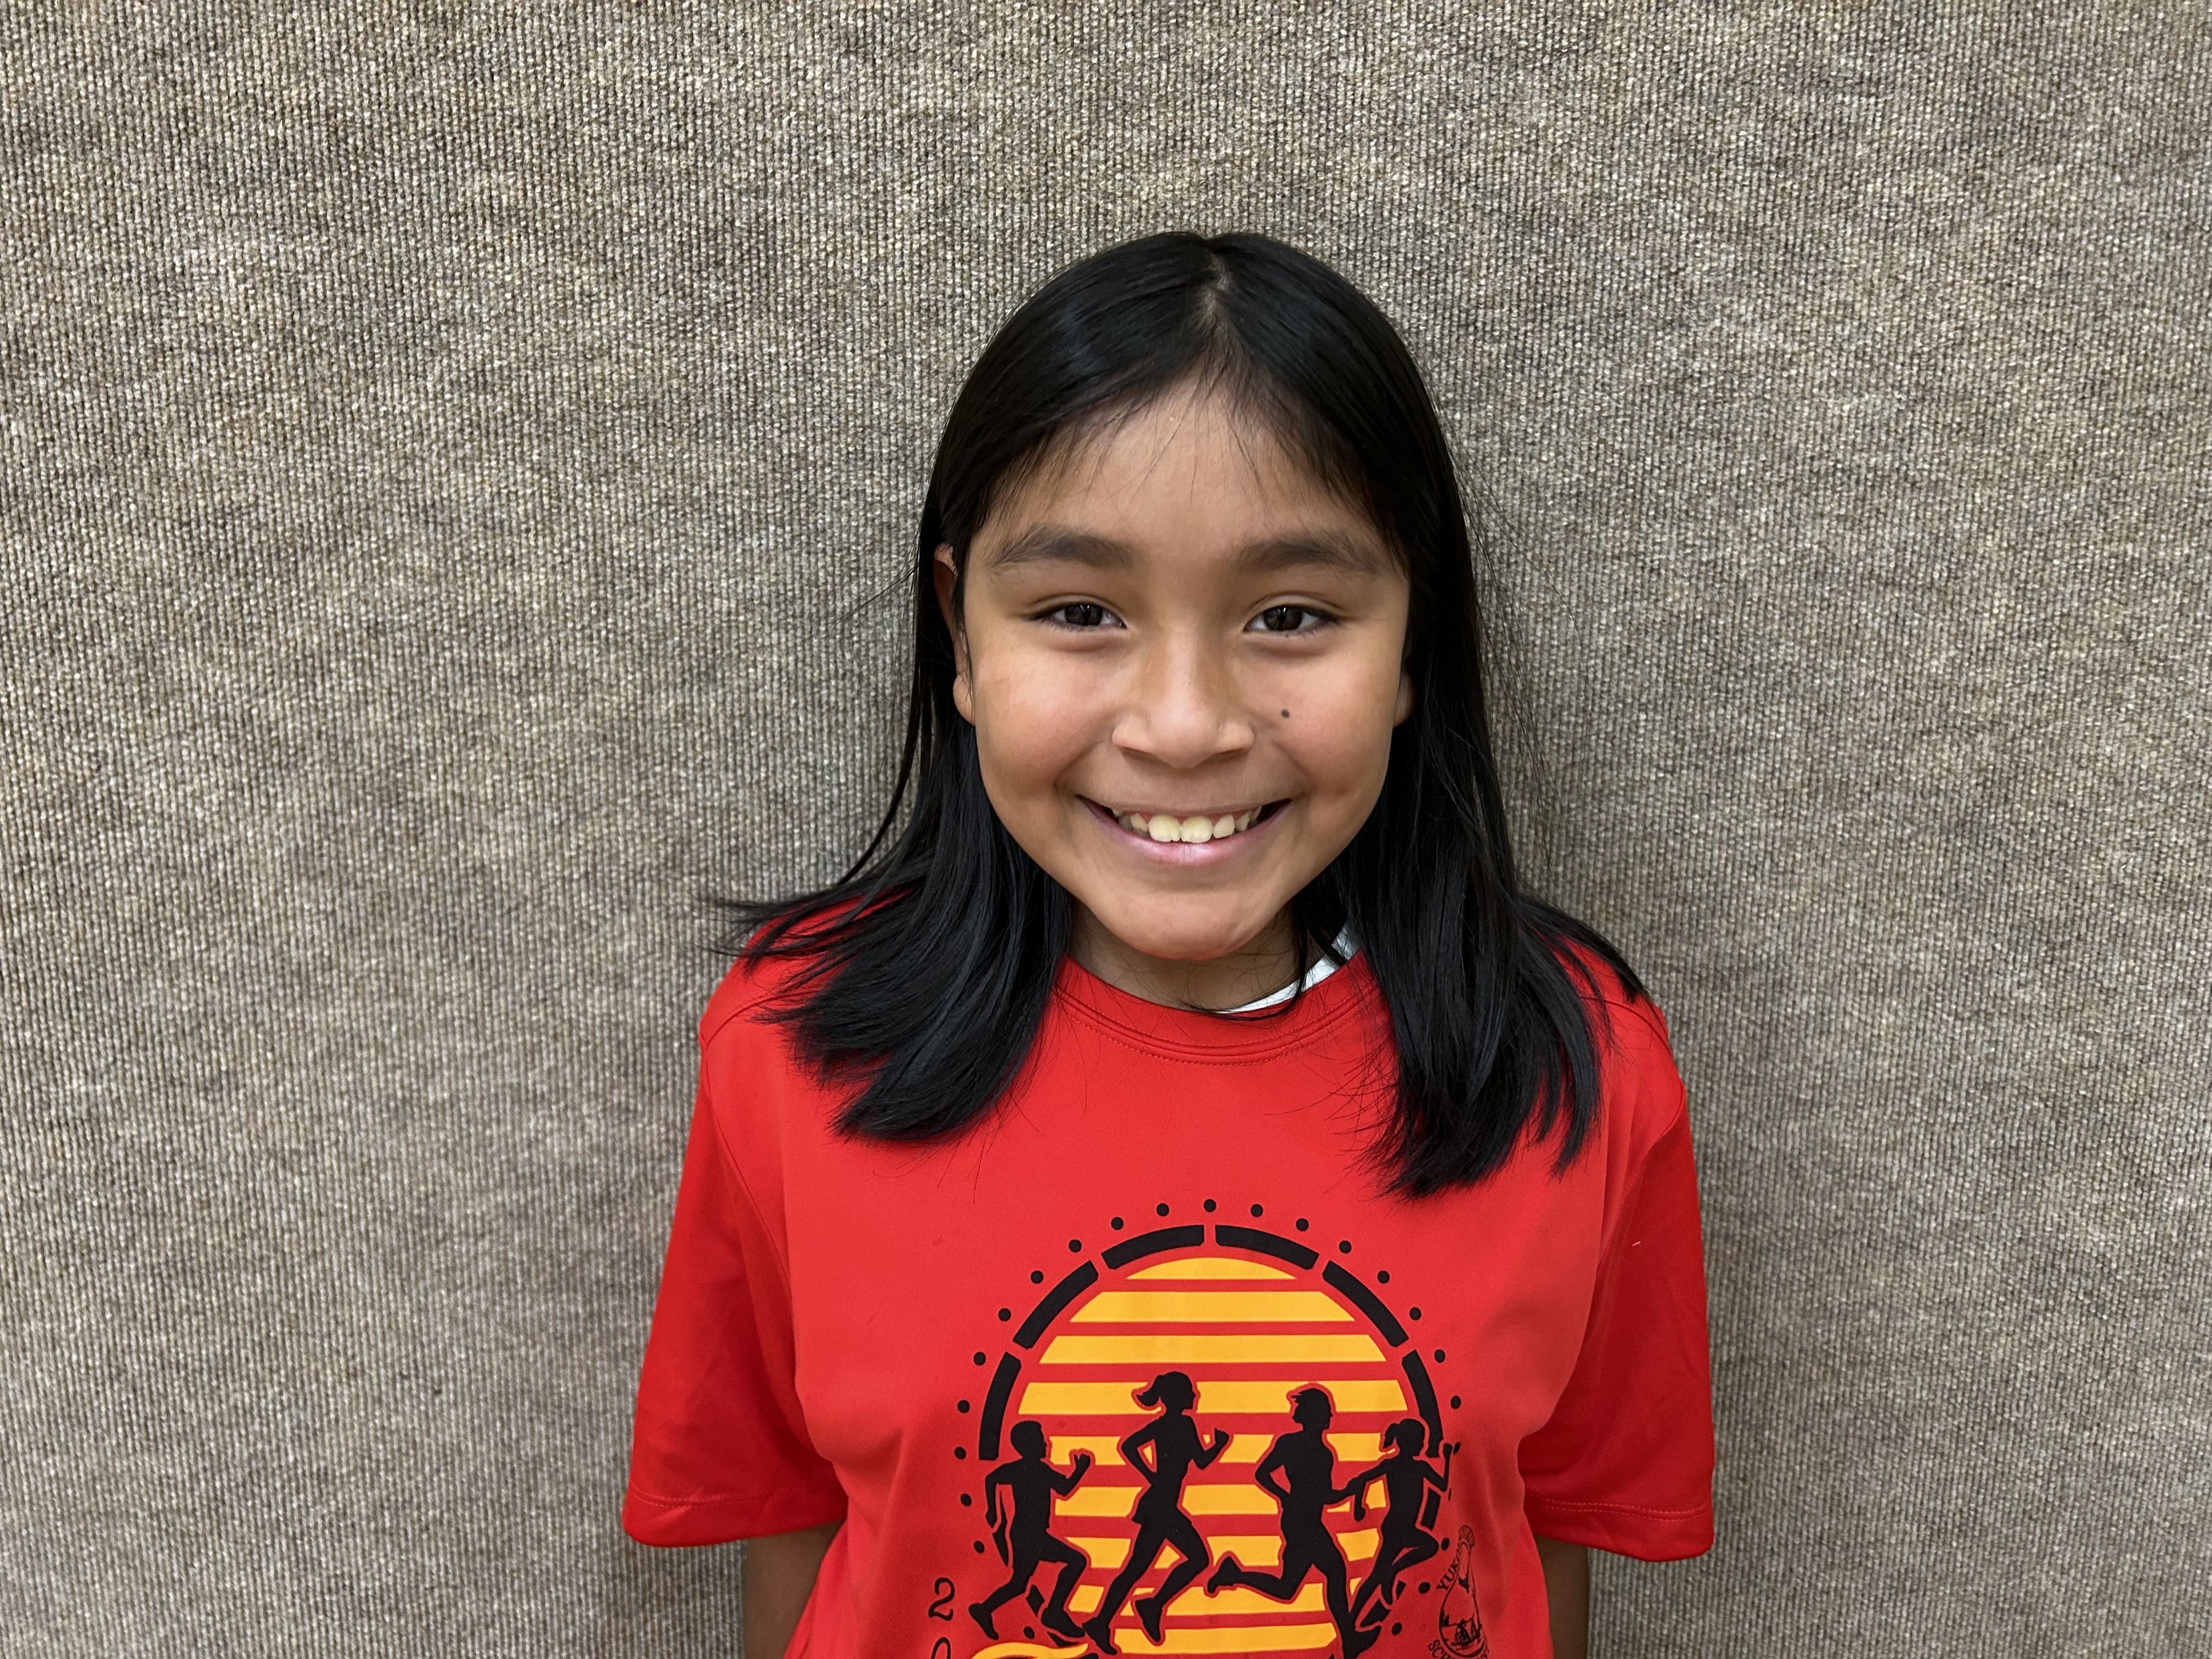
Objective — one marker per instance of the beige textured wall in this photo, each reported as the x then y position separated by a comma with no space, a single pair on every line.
443,452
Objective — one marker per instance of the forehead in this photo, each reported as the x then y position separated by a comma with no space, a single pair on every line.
1190,469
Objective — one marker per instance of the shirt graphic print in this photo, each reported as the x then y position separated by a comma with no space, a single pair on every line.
1216,1441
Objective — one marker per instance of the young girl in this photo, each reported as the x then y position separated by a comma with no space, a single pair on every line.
1187,1074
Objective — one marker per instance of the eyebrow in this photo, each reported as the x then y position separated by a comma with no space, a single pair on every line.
1052,545
1335,552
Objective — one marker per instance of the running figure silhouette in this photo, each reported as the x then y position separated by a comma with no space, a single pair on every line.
1023,1530
1406,1481
1176,1450
1306,1464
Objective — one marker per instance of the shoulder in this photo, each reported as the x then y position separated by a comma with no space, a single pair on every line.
750,987
812,937
1635,1050
750,1043
1608,992
767,1107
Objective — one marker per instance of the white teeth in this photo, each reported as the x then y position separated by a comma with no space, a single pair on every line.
1165,826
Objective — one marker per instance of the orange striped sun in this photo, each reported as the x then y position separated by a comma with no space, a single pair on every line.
1252,1318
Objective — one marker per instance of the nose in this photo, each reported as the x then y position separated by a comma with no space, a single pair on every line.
1182,707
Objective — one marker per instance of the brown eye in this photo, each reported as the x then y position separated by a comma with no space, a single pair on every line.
1080,615
1286,618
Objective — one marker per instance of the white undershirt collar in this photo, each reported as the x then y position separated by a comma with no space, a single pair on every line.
1341,947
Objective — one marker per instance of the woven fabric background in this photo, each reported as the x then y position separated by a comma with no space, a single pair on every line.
455,466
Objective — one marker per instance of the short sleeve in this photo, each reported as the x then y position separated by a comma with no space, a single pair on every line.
1625,1462
719,1449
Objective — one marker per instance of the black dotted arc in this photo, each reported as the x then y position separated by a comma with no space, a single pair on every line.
1152,1243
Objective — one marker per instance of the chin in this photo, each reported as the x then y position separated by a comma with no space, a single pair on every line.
1178,940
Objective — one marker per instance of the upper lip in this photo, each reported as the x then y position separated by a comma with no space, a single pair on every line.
1177,811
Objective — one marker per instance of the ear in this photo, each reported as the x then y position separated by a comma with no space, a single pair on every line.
1404,705
945,574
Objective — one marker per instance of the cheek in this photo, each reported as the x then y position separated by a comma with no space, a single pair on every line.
1030,728
1341,740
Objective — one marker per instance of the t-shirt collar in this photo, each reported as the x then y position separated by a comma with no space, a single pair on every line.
1270,1026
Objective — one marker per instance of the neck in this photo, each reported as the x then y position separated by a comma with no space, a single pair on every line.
1265,965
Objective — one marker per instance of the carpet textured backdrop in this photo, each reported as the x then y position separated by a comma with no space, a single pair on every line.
452,462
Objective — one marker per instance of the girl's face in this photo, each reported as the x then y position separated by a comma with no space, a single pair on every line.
1181,656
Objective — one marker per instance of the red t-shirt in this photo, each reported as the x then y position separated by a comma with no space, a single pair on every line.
1155,1312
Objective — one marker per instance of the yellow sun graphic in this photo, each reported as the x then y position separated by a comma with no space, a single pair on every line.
1234,1331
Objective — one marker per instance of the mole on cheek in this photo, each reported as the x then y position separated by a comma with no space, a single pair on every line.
1286,714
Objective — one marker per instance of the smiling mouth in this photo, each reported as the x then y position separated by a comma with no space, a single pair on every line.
1194,827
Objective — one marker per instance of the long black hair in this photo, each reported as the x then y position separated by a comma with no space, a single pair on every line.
927,967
